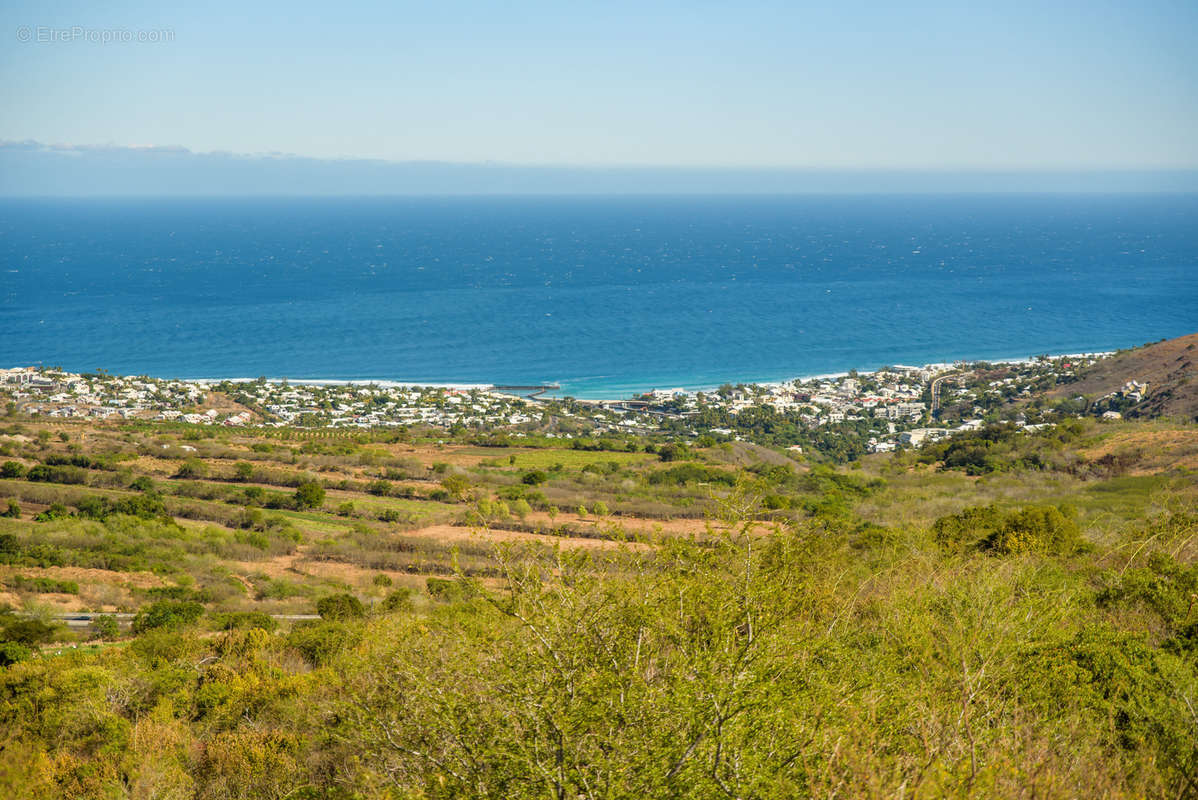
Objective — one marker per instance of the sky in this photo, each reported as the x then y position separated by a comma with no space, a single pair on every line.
844,85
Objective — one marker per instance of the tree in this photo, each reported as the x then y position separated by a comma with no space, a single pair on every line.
309,494
192,468
168,614
534,477
340,607
456,485
243,471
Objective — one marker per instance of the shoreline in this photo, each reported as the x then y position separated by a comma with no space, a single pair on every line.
600,395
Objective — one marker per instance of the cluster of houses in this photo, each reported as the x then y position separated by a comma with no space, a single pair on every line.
891,403
56,393
387,405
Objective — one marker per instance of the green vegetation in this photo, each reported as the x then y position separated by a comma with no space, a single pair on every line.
1006,614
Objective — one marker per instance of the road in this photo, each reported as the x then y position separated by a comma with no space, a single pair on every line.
936,390
83,619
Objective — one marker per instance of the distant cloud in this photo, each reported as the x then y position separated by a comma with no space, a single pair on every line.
29,168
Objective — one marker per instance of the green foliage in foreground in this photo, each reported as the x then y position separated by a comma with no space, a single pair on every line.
817,659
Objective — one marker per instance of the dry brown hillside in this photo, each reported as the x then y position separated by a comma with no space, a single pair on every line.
1168,367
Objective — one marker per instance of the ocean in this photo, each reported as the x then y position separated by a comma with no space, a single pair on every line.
604,295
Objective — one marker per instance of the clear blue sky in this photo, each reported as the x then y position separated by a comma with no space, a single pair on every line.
846,84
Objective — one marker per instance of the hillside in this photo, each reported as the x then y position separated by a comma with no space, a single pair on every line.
382,614
1168,367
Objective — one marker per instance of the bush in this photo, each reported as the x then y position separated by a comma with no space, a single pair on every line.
340,606
142,484
192,468
456,485
379,488
398,600
105,627
1047,530
43,585
692,473
28,632
12,653
534,477
309,495
168,614
12,469
241,620
57,474
55,511
968,529
13,511
448,591
319,642
1165,586
1126,687
243,471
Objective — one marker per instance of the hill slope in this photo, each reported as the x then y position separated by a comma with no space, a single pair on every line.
1168,367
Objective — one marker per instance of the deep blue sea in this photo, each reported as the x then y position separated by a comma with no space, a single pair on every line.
603,294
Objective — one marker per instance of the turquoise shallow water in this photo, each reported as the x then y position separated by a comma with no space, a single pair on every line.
604,295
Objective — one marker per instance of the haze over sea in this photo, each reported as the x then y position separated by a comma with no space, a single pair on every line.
605,295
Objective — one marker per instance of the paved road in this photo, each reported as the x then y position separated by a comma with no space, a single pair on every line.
936,390
84,619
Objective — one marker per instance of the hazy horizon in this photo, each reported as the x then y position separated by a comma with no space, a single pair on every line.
761,86
32,169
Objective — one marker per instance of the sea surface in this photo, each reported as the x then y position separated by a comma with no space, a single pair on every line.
605,295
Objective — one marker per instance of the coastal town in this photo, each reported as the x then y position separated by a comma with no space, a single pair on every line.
887,409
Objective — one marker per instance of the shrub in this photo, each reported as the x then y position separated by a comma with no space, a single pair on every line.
192,468
534,477
13,511
966,530
168,614
449,591
1163,585
142,484
57,474
379,488
522,509
12,469
1046,530
1126,687
105,627
55,511
243,471
28,632
43,585
340,606
12,653
319,642
309,495
456,485
398,600
240,620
